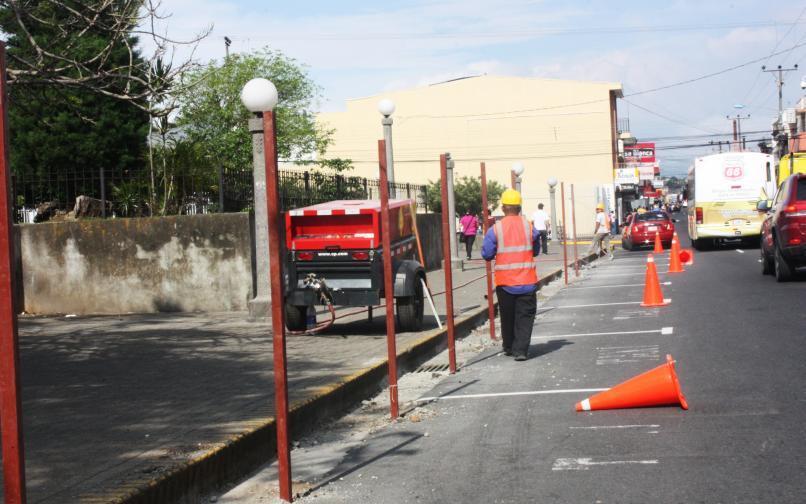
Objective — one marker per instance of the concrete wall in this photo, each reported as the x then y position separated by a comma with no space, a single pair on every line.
183,263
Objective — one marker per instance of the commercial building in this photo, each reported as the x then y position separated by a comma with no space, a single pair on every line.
555,128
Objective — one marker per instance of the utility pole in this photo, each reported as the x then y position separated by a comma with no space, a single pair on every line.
779,81
737,129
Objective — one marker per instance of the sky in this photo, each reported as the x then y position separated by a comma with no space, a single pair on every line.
355,48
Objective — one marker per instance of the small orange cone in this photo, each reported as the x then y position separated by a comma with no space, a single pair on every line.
686,257
674,257
658,245
656,387
652,294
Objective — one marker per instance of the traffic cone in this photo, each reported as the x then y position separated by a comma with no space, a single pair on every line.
652,294
658,245
686,257
656,387
674,257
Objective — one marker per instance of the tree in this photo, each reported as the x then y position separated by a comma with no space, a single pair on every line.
467,195
63,135
211,113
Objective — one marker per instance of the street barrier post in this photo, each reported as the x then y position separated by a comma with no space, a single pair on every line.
10,405
277,305
485,214
447,263
574,224
388,282
565,233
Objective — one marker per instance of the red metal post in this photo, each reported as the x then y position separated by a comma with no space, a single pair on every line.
277,305
574,223
564,236
446,262
485,214
388,282
10,407
513,180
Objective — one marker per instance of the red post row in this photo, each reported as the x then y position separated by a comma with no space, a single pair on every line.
565,233
277,305
485,214
447,263
574,223
388,282
10,407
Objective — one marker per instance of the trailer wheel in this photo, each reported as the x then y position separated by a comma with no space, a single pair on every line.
410,309
295,317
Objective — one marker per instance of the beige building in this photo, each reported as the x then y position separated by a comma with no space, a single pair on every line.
559,128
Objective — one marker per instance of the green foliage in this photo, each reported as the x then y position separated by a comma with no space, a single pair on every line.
212,115
129,198
467,194
60,132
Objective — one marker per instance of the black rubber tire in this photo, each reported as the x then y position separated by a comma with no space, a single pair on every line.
626,245
410,310
767,266
698,244
295,317
783,271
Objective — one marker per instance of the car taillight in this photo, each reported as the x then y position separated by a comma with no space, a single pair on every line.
360,256
305,256
698,212
795,241
795,210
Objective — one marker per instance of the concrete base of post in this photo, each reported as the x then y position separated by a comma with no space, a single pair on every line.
259,308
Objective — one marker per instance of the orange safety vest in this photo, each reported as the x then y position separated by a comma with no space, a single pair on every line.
514,262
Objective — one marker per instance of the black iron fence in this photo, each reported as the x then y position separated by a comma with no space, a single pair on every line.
43,197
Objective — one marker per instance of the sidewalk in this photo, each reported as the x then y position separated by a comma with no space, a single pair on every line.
112,404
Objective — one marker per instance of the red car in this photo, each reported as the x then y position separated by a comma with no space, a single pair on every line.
783,232
640,228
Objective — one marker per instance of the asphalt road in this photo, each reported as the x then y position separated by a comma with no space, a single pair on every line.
739,341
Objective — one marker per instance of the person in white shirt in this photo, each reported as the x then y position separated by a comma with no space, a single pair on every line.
540,220
601,233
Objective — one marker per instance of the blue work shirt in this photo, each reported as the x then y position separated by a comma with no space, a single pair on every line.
489,248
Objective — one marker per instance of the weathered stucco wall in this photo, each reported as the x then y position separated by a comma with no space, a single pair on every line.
182,263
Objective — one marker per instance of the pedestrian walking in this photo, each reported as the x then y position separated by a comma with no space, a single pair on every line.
601,232
469,225
513,243
540,220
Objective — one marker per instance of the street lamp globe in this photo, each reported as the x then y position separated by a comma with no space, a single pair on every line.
552,181
517,169
386,107
259,95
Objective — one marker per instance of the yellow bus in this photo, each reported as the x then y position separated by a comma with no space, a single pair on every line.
723,190
791,163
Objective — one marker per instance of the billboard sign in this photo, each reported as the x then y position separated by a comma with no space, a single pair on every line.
646,171
641,152
626,176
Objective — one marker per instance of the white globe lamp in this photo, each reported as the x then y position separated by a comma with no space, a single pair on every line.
386,107
259,95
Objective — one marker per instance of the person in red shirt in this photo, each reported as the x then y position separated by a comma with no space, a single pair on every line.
470,225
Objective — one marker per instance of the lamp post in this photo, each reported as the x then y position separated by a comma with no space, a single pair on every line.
387,107
517,171
452,211
552,182
259,96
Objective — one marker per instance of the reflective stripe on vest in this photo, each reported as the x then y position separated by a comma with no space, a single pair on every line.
514,262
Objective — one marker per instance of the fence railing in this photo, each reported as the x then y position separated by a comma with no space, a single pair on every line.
40,198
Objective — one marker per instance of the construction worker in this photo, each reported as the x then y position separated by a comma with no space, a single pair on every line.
601,232
514,243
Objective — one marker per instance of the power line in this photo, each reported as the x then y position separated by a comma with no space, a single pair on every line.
670,119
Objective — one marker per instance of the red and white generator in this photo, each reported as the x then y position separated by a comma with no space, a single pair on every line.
338,245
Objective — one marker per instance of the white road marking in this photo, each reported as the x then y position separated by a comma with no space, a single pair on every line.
596,304
617,285
620,355
584,464
635,426
509,394
740,251
664,331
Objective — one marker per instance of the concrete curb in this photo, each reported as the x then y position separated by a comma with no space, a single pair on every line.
246,452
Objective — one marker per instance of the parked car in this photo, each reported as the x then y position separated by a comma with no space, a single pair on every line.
640,228
783,232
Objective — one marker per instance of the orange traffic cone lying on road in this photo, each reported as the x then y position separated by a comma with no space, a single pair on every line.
656,387
675,265
658,245
652,294
686,257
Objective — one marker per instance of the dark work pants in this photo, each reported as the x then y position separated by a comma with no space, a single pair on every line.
544,240
469,239
517,319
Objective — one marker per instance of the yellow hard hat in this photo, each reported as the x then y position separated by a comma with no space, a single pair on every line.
642,210
600,206
511,197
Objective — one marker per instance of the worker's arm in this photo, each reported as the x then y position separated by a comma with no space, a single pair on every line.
535,242
489,246
596,228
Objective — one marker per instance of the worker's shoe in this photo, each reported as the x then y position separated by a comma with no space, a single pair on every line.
507,352
520,357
